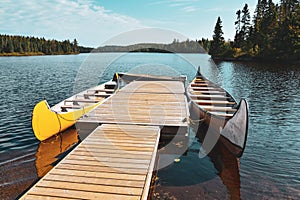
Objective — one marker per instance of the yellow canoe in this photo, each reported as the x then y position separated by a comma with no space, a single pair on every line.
46,123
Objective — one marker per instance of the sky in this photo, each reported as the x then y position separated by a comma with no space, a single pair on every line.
95,22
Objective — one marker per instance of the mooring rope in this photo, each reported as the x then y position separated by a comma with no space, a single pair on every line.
59,115
193,121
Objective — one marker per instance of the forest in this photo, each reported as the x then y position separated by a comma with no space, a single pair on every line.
272,35
21,45
188,46
24,46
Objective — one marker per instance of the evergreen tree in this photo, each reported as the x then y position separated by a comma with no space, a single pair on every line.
75,46
245,23
237,37
217,45
238,21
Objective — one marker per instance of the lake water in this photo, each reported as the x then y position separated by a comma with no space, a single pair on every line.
269,168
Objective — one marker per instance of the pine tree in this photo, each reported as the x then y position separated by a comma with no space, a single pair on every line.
217,45
75,46
245,30
238,21
237,37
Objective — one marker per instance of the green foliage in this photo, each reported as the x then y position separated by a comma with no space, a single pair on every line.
273,35
21,45
205,44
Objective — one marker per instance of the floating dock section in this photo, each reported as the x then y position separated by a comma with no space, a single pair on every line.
117,159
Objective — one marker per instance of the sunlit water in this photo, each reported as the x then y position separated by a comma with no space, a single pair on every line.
269,168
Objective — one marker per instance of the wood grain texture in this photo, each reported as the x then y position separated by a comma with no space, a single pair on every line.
104,166
144,102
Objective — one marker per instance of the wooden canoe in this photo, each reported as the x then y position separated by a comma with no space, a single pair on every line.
214,106
47,121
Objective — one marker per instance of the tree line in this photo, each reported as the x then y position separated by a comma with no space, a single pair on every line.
273,33
21,45
188,46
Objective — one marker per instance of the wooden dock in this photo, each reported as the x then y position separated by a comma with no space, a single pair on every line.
117,159
114,162
151,103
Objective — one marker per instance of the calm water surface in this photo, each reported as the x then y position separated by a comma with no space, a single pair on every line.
269,168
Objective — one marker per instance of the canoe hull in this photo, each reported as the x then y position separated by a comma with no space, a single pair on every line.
218,126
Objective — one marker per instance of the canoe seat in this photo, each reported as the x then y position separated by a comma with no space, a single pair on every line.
199,84
217,108
212,97
213,102
75,101
222,114
207,88
103,95
109,91
110,85
209,92
64,107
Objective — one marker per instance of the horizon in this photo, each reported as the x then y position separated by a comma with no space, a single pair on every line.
95,22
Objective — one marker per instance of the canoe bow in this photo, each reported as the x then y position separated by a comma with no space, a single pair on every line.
46,123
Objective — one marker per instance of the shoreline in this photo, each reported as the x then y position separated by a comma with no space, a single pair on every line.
255,60
16,54
244,59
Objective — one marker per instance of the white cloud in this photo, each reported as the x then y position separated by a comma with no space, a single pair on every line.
176,3
63,19
221,9
189,9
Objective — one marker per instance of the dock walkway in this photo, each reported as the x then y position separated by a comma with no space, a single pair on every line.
116,160
151,103
112,163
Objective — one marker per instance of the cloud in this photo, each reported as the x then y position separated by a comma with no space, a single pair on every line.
185,5
189,9
63,19
221,9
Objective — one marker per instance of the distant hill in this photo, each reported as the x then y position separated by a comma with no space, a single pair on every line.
27,46
175,47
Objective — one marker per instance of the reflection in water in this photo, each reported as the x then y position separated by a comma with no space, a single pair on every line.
213,177
226,164
51,150
19,170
